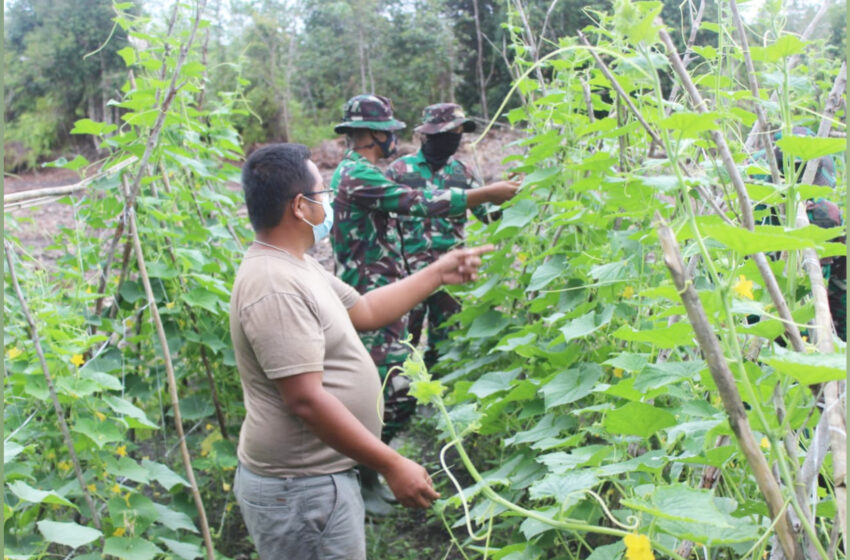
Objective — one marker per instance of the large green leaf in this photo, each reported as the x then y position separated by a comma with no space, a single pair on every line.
99,432
677,334
572,384
545,273
29,494
487,324
494,382
186,551
568,487
68,534
126,408
518,215
128,468
162,474
661,374
811,147
786,45
638,419
587,323
690,125
174,520
131,548
762,239
810,369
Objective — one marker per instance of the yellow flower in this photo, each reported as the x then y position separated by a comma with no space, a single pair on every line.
118,532
100,416
169,305
92,487
522,257
618,372
765,444
208,427
225,486
121,451
64,465
78,360
88,289
628,292
13,352
637,547
50,454
743,287
116,489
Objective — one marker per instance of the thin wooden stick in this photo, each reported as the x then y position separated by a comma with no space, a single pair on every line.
172,382
52,192
60,414
674,91
726,386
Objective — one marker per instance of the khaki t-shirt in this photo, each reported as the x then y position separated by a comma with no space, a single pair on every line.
289,316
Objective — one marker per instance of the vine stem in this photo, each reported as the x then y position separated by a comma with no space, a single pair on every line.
726,386
60,414
763,266
492,495
172,381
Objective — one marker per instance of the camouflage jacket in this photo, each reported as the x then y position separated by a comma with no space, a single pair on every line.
366,241
425,239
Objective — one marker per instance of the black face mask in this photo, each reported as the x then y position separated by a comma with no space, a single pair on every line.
438,148
386,146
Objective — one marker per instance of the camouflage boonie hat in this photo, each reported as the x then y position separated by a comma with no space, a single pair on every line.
368,111
443,117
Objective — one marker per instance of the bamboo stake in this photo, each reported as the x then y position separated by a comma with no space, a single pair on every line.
769,279
52,192
172,381
60,414
726,386
674,91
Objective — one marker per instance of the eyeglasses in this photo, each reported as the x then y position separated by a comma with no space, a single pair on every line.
328,192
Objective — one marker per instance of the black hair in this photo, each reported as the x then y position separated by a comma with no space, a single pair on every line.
271,176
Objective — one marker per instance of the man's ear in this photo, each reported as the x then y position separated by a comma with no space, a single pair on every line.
295,204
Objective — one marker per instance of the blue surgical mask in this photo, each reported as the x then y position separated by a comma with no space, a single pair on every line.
323,229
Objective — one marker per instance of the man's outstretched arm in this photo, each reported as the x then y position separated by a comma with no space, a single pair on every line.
384,305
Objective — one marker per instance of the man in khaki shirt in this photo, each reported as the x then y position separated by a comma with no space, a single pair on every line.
312,393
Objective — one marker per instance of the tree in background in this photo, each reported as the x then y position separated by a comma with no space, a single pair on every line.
61,65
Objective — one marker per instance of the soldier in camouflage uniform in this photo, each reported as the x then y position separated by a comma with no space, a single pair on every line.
424,239
366,241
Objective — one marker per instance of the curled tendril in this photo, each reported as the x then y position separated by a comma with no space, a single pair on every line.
448,471
633,520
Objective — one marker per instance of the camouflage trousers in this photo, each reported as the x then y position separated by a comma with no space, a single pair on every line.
389,355
437,308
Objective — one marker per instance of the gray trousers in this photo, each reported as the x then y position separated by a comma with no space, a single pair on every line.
303,518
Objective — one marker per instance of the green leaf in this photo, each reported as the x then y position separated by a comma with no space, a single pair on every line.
29,494
690,125
571,385
645,29
174,520
162,474
545,273
200,297
126,408
196,407
494,382
105,380
487,324
187,551
587,323
810,369
787,45
11,450
128,468
88,126
811,147
665,373
762,239
568,487
131,548
68,534
628,361
677,334
518,215
638,419
128,54
100,433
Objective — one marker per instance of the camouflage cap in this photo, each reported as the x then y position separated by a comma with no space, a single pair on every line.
368,111
443,117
